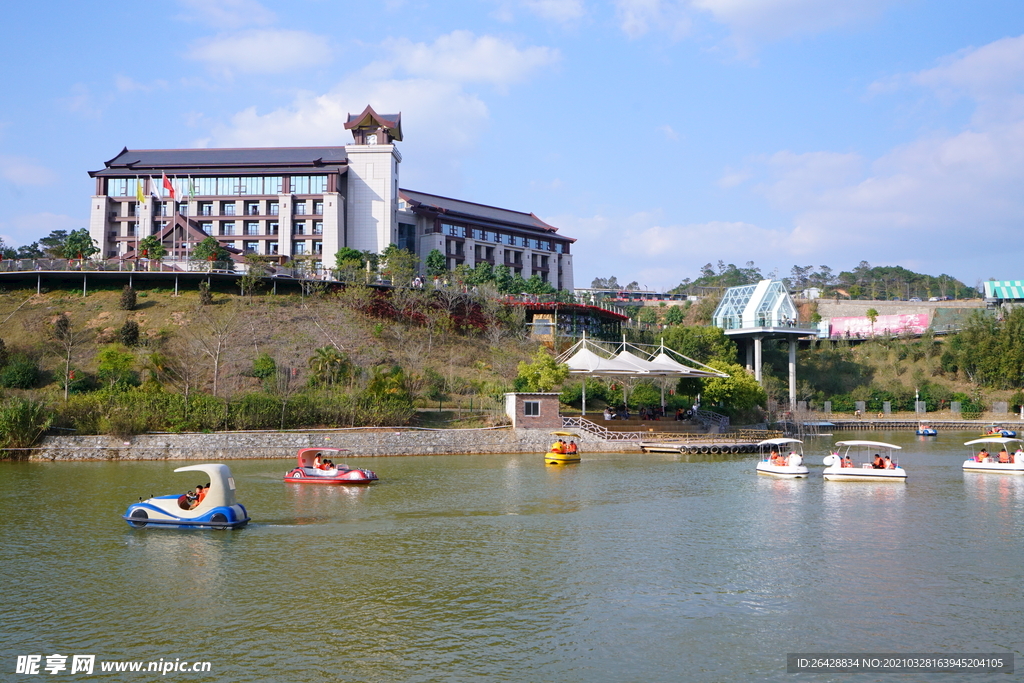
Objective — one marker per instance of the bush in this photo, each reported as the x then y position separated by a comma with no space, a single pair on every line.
22,423
20,373
128,299
3,353
205,296
129,333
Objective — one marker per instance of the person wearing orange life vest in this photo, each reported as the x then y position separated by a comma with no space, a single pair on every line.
556,447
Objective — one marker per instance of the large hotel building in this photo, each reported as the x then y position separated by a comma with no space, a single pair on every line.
305,203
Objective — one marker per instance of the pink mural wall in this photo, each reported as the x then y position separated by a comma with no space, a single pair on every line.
913,323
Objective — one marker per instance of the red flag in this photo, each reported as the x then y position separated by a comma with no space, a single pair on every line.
168,186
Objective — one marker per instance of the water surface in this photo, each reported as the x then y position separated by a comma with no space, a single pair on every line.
625,567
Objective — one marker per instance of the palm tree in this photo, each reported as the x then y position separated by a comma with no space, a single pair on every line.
329,365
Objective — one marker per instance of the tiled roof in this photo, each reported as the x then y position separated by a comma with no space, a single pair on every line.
253,159
458,207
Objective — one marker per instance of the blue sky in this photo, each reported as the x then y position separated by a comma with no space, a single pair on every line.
661,134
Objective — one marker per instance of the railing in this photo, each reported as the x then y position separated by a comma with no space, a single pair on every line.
604,433
707,418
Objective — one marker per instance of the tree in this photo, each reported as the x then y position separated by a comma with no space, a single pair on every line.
152,247
79,245
252,281
675,315
212,333
129,333
739,391
543,374
605,283
872,315
399,265
437,264
329,366
212,250
53,244
115,366
67,339
702,344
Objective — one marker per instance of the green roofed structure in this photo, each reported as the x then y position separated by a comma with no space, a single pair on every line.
1004,291
753,313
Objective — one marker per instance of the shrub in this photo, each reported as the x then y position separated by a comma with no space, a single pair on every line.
20,373
128,299
3,353
129,333
205,296
22,423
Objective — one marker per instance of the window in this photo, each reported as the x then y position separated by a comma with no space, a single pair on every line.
476,234
227,208
454,230
272,248
272,228
207,228
133,229
318,247
299,228
228,186
252,228
272,185
205,208
318,227
531,408
300,208
299,248
227,228
275,208
250,186
252,208
183,208
252,247
133,209
318,208
559,247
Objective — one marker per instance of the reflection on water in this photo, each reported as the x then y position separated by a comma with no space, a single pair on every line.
625,567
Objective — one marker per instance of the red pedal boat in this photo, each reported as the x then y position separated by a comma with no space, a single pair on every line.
308,471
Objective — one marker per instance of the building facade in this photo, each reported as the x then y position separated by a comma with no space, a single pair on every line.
305,203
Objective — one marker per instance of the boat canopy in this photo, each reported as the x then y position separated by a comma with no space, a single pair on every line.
222,485
307,455
874,444
1003,440
778,442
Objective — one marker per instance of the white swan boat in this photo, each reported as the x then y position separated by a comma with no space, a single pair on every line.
858,461
983,461
782,458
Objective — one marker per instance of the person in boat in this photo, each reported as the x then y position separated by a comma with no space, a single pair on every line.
878,464
773,458
847,462
982,454
187,501
316,462
889,464
1004,457
556,447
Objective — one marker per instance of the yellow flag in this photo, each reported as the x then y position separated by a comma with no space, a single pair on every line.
139,194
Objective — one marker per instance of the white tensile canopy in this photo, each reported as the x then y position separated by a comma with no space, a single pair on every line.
588,358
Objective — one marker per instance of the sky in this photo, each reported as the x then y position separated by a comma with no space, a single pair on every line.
661,134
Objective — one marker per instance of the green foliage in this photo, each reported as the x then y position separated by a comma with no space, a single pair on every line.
129,333
79,245
675,315
387,384
212,250
4,356
434,385
597,390
648,315
21,372
703,344
543,374
22,423
398,265
739,392
264,366
53,244
329,366
988,352
152,247
437,264
115,367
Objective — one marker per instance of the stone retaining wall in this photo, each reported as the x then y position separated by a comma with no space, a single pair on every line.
360,443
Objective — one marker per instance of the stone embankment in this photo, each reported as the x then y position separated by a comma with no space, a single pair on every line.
359,442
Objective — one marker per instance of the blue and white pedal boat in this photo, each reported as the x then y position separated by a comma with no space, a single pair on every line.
218,509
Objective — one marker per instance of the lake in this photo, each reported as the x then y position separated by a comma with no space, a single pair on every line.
626,567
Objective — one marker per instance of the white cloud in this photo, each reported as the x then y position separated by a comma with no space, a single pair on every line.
669,133
637,17
23,171
461,57
82,102
261,51
556,10
126,84
227,14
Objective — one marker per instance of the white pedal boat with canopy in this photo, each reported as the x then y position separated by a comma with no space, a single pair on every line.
1002,462
858,461
782,458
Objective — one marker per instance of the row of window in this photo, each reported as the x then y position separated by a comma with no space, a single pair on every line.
501,238
298,248
302,208
206,187
249,228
